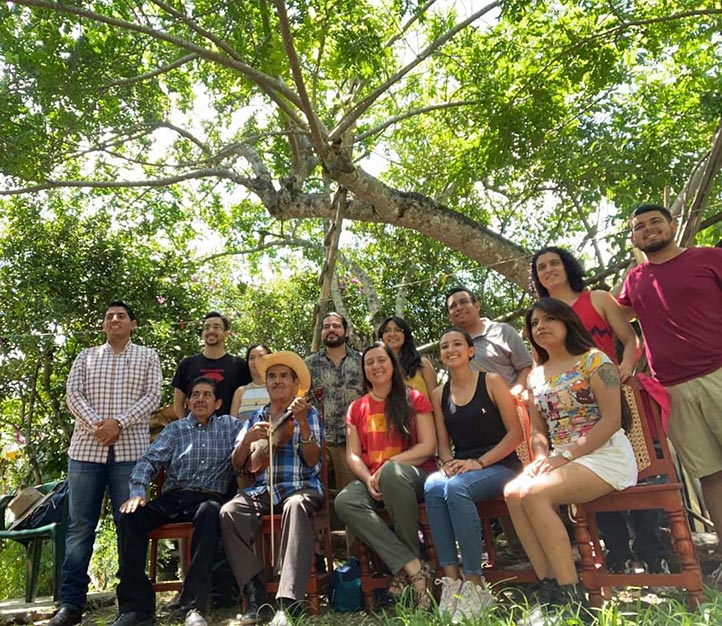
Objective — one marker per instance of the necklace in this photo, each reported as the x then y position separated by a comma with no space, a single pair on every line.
376,397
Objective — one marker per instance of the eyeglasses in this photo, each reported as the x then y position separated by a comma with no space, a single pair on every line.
392,329
461,302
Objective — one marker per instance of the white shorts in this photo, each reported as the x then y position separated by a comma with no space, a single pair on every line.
613,461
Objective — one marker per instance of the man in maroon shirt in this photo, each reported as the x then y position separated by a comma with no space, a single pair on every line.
677,297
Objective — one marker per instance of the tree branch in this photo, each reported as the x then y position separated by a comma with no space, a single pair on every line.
264,81
358,110
413,112
152,74
124,184
318,133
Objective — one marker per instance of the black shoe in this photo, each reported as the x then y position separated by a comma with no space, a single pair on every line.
573,602
134,619
65,617
256,602
194,618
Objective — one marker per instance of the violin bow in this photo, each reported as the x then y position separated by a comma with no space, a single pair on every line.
311,394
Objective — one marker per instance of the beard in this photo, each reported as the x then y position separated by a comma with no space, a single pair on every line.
334,342
658,245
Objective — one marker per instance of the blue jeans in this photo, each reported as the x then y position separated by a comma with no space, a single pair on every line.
87,483
451,509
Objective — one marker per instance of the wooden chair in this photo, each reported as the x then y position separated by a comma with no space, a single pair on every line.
182,532
668,496
321,521
374,573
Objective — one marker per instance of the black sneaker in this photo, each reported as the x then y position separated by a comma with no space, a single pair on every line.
256,602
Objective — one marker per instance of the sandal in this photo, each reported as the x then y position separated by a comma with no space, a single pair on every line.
398,584
422,597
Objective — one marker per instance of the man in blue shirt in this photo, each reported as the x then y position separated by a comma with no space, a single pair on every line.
294,487
196,453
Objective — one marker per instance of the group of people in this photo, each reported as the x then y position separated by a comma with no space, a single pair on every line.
393,438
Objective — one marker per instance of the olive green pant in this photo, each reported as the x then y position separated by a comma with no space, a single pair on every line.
402,488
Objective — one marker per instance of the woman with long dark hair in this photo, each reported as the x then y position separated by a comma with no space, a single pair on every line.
390,442
580,451
420,373
476,412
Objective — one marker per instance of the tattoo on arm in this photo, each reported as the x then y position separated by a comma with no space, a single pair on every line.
608,375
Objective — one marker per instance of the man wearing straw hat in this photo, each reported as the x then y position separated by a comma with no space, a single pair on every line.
292,487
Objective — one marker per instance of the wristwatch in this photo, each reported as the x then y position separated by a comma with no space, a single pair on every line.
567,454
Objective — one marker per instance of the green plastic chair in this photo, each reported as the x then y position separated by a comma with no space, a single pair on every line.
33,539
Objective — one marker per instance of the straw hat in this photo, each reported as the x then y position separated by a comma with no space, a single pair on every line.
289,359
24,503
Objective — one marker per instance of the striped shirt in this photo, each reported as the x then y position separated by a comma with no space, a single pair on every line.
290,472
196,457
104,384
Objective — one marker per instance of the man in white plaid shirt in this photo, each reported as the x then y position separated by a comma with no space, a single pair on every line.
111,391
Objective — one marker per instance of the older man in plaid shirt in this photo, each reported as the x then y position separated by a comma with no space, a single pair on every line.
196,453
294,486
111,391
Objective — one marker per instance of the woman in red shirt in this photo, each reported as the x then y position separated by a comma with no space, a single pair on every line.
390,443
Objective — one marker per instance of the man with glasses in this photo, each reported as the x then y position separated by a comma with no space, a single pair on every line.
111,391
497,346
213,362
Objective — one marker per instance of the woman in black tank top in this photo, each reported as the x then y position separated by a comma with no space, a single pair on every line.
475,415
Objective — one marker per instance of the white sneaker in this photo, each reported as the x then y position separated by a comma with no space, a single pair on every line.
280,619
473,600
450,589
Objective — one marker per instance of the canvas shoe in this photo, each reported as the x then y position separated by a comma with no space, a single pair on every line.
450,589
472,601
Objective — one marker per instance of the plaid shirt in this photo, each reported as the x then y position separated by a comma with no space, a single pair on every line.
290,472
196,457
125,386
341,386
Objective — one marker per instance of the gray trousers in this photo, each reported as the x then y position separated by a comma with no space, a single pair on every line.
402,487
241,519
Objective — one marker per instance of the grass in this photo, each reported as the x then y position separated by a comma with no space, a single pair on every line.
628,608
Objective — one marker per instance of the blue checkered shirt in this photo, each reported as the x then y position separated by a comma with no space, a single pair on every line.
196,457
290,472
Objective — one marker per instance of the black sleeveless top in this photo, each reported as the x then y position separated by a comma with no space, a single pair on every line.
476,427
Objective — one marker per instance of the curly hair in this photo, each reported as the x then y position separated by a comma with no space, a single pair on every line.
572,267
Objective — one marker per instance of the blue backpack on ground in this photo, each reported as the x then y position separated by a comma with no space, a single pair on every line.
346,596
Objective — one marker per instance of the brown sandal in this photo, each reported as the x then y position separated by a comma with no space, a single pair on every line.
398,584
422,597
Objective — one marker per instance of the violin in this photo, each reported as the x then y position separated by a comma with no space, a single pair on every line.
279,434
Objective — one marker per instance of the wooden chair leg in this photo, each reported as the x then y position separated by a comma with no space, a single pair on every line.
153,565
364,560
584,545
684,548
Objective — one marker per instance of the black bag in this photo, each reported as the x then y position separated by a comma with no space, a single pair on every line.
50,511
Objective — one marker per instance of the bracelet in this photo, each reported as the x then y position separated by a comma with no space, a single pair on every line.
305,442
442,463
480,462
